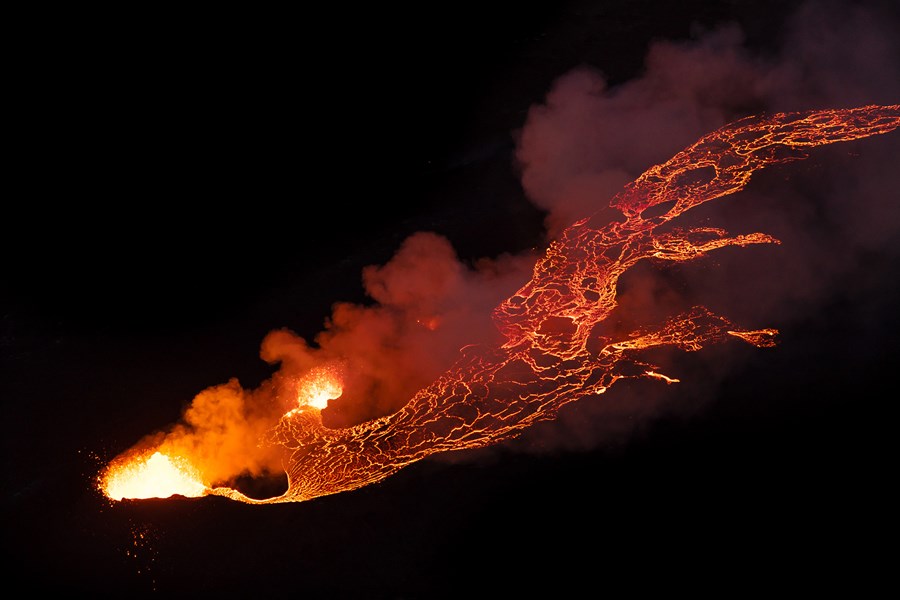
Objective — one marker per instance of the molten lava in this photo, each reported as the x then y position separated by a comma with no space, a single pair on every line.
318,387
315,390
552,353
153,475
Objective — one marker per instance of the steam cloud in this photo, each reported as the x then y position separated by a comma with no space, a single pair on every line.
574,152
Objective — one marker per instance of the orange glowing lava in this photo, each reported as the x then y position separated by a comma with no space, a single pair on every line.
318,387
552,353
155,475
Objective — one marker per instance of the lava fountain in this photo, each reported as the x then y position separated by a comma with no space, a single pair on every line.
550,354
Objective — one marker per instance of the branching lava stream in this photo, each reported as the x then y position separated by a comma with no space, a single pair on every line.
551,354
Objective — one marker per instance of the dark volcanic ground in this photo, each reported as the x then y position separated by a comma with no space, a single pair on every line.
194,181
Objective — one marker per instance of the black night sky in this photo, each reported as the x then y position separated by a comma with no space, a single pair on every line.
190,181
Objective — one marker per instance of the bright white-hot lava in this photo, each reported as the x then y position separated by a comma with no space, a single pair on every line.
318,387
154,475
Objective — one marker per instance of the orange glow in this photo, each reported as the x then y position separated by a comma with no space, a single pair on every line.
155,475
551,353
318,387
665,378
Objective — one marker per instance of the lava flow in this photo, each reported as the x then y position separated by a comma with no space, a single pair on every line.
551,353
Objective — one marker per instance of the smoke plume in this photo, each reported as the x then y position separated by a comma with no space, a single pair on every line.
427,305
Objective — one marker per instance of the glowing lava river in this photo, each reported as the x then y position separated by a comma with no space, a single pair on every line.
551,353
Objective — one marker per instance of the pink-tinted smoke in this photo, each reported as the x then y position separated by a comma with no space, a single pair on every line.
588,138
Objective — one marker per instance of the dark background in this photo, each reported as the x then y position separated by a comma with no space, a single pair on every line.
191,181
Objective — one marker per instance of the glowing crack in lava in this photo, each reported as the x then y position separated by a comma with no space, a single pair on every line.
552,354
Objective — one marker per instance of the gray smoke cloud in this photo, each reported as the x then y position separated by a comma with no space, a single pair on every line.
587,139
